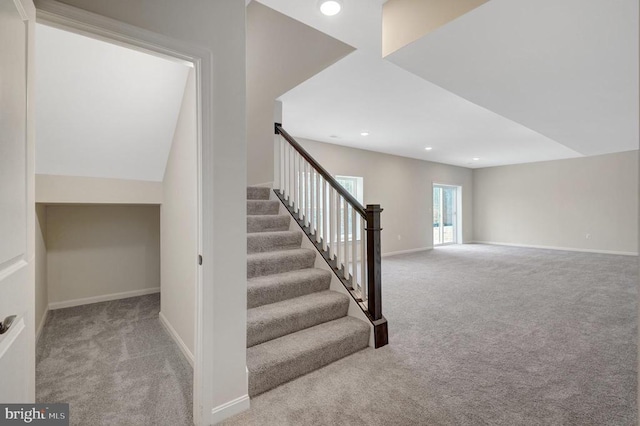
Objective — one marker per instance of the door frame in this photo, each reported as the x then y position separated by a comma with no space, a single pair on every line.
69,18
458,212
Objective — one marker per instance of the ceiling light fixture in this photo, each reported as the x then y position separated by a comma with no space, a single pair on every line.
428,148
476,159
364,134
330,7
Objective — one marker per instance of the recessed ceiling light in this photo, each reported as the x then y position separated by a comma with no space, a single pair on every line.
476,159
330,7
364,134
334,136
428,148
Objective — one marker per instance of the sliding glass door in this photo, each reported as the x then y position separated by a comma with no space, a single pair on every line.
445,214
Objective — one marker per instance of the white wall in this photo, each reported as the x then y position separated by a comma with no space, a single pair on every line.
88,190
101,250
41,293
281,53
218,26
178,224
557,203
403,188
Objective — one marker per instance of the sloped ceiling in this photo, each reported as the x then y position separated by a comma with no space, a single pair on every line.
103,110
566,69
404,114
509,82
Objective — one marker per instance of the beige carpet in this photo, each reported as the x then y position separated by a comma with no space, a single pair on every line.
115,365
483,335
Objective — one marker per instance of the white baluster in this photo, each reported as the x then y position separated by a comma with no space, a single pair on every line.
286,170
338,231
291,177
325,215
296,182
363,260
316,213
354,248
314,206
303,188
308,195
282,164
332,222
345,228
300,188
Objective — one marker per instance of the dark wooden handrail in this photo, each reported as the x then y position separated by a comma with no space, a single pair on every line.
371,216
325,174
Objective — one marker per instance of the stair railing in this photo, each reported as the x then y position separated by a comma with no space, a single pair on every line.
345,233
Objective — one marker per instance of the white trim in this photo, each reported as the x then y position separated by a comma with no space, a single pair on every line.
41,325
396,253
176,337
90,24
622,253
11,267
102,298
231,408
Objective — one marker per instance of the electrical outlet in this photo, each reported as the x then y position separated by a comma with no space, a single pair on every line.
588,236
399,237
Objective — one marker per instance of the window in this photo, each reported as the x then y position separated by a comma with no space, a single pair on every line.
354,186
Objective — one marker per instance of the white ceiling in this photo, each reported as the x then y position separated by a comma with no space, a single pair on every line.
568,69
103,110
404,113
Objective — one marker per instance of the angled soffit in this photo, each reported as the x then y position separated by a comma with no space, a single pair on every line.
565,69
103,110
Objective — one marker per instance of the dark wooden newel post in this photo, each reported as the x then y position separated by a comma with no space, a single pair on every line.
374,260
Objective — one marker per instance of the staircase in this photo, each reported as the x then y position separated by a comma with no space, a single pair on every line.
295,324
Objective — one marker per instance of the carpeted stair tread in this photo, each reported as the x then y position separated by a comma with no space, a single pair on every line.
280,360
268,223
276,262
287,285
260,242
255,207
258,193
269,322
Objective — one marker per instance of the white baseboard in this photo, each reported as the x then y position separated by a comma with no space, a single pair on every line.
623,253
396,253
41,325
231,408
176,337
102,298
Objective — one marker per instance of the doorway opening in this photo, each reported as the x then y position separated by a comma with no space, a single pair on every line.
447,201
117,192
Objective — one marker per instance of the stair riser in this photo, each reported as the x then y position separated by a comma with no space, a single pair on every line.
268,223
258,193
259,332
262,381
261,243
257,207
293,262
287,289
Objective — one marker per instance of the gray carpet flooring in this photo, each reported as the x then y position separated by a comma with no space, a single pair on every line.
483,335
114,364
